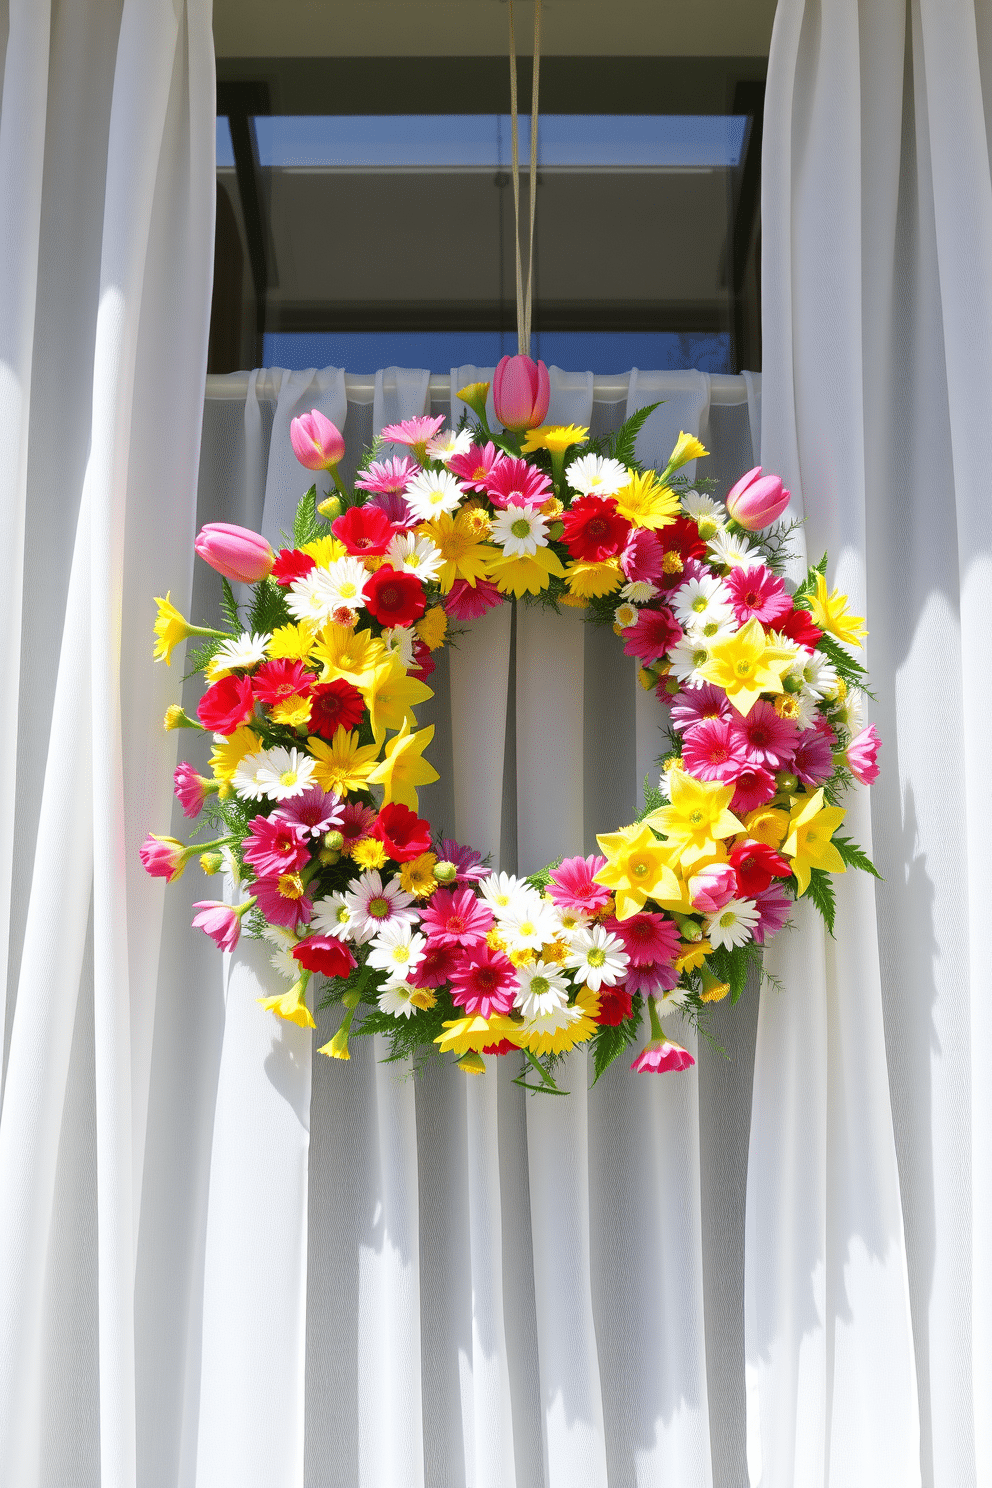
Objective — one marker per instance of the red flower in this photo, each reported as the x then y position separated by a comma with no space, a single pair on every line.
278,680
438,964
503,1047
681,541
614,1005
654,633
755,864
227,704
423,660
594,530
291,565
799,628
394,598
335,705
325,954
402,832
365,531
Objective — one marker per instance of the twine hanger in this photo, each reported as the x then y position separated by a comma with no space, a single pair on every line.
524,301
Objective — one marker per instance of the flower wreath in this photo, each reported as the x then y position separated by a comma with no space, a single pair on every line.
317,756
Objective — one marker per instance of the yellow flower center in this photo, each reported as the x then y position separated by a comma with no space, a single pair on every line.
728,919
521,527
699,603
287,778
378,908
596,956
743,668
348,590
539,985
672,563
291,886
401,953
696,817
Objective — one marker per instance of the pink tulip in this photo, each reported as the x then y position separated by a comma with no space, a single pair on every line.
190,789
862,754
661,1055
521,392
756,503
219,921
712,887
316,442
242,556
163,857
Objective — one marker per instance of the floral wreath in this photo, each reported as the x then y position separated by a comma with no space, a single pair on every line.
316,758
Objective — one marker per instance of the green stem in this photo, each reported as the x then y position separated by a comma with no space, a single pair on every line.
206,630
657,1032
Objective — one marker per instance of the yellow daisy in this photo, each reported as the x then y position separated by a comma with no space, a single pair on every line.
646,503
591,580
519,576
457,539
343,765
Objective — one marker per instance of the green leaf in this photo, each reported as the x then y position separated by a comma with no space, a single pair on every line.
808,584
855,856
733,966
307,526
542,877
626,436
821,893
268,610
611,1040
229,605
198,657
653,799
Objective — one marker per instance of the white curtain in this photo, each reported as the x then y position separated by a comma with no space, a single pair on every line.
869,1321
106,241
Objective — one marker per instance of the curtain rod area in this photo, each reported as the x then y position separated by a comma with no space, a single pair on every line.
360,387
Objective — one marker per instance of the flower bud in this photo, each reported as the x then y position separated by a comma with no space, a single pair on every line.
786,783
757,500
792,683
445,871
556,531
521,392
240,555
333,841
712,887
330,507
472,1064
211,863
317,443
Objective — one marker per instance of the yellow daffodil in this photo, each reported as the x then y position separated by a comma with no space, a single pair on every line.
698,817
228,753
768,825
171,628
417,875
293,712
343,765
807,842
647,503
390,696
465,1035
475,395
692,954
457,538
325,550
404,767
291,1005
433,627
637,868
591,580
713,989
519,576
555,438
687,447
351,654
745,665
291,642
829,613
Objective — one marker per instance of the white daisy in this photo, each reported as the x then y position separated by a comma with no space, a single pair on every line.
399,640
282,959
240,651
520,531
504,893
443,446
702,599
398,949
570,919
417,555
597,957
283,773
431,492
851,713
697,504
246,782
807,710
691,653
542,989
307,598
529,927
639,591
733,924
730,550
709,630
592,475
397,1000
374,903
332,916
818,674
624,615
343,584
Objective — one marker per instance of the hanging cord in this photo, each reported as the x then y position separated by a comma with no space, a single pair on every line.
524,303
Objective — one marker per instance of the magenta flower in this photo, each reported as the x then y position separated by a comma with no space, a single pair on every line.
647,937
653,633
415,432
654,978
643,557
238,554
699,703
388,477
774,906
163,857
484,982
191,789
468,862
436,967
283,900
357,821
712,887
661,1055
753,787
220,921
317,444
768,739
712,750
813,761
757,500
455,917
315,812
274,846
476,465
521,392
756,594
467,601
572,888
517,482
862,753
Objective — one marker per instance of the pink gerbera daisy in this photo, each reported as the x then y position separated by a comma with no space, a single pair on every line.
388,477
652,979
456,917
356,822
813,761
283,900
647,937
516,481
712,751
470,601
643,557
484,982
190,789
774,907
476,465
768,739
699,703
661,1055
757,594
572,887
862,755
753,787
415,432
274,846
316,811
653,633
